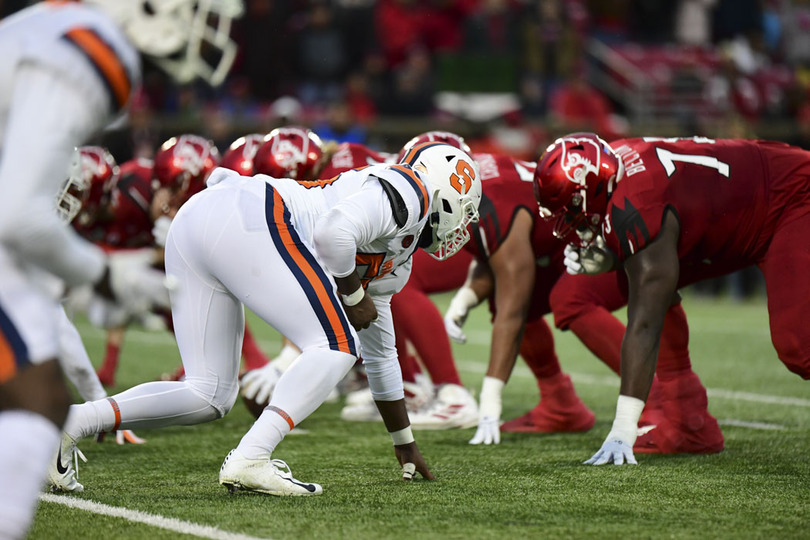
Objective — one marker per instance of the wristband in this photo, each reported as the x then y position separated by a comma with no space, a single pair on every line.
353,299
464,299
403,436
490,399
625,425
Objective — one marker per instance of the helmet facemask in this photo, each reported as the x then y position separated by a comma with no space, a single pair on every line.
186,38
89,165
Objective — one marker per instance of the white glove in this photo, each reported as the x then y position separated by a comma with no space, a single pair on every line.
259,383
161,230
464,300
594,259
488,432
137,286
489,413
613,451
618,445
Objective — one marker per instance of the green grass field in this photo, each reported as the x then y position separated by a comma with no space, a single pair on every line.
529,486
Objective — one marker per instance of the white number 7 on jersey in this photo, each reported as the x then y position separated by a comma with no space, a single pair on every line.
668,160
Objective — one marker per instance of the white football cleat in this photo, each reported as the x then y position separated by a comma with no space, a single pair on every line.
63,471
454,407
270,476
360,407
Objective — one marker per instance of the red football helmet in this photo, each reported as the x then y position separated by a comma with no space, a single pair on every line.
289,152
435,136
85,194
573,182
241,153
183,164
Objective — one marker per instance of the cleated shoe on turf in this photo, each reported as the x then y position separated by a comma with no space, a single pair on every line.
63,471
454,407
684,425
270,476
560,410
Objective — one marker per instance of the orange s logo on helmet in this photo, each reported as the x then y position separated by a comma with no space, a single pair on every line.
463,178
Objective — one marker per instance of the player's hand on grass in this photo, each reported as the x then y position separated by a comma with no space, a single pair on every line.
613,451
412,462
488,432
489,412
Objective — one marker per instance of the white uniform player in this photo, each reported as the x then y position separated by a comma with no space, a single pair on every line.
317,261
66,70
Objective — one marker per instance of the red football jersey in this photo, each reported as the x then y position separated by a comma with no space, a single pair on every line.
728,196
506,187
131,224
352,156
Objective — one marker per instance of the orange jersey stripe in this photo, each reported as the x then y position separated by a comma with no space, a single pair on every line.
320,290
317,183
106,61
8,367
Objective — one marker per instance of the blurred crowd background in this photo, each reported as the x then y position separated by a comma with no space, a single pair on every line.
508,75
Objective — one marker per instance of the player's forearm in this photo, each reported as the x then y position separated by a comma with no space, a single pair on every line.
41,238
639,358
394,414
507,334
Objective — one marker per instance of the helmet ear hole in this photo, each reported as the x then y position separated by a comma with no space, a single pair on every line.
446,206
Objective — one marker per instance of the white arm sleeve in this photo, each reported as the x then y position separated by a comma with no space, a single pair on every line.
354,221
47,118
379,353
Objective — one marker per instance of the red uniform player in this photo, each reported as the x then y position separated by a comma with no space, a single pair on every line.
674,212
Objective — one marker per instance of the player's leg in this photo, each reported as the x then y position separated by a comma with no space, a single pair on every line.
683,422
560,409
75,362
112,352
33,397
584,305
298,297
787,283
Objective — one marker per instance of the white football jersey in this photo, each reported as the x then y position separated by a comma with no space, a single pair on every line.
79,42
388,206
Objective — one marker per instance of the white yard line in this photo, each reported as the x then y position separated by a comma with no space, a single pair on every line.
751,425
584,378
160,522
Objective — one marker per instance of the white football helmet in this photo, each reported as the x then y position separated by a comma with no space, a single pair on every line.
173,33
456,184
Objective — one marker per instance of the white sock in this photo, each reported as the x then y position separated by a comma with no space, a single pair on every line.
28,442
148,405
301,390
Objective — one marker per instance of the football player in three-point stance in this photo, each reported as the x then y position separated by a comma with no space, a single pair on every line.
296,152
67,70
580,303
672,212
332,252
